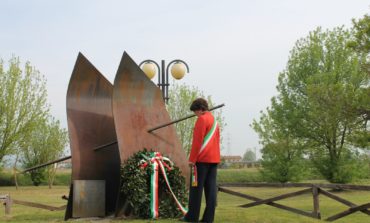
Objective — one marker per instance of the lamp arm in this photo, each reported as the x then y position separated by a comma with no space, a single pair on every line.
150,61
176,61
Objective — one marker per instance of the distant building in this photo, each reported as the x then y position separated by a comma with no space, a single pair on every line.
231,159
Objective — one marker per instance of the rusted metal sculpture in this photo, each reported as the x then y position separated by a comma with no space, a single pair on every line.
107,125
138,106
90,124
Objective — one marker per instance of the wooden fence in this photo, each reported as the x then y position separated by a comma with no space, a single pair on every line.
314,189
8,202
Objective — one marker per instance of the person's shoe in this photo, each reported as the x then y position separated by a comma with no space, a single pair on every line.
183,219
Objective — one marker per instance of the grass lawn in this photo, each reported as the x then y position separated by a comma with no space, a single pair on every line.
43,195
227,210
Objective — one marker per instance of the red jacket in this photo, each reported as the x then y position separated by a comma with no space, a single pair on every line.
211,152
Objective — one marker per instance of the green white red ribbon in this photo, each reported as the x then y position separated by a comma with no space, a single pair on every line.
208,136
156,160
194,176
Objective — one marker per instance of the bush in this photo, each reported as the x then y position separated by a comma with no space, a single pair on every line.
6,179
37,176
349,167
283,162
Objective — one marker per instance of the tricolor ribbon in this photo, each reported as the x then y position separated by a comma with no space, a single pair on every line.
209,136
194,176
156,160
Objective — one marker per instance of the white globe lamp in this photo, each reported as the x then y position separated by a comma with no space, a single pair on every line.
178,70
149,70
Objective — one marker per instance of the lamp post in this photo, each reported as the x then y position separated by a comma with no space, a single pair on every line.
177,71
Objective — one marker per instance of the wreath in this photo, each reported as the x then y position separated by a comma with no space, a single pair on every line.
136,187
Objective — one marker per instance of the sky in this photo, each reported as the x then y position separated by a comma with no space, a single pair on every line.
234,49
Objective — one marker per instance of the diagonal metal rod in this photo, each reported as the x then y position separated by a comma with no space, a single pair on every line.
159,127
104,146
182,119
46,164
114,142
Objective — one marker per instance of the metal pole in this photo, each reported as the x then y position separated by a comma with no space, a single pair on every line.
167,85
159,78
163,82
105,145
158,127
47,164
181,119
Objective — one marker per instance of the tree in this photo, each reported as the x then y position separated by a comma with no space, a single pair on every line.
46,143
57,142
282,155
178,107
361,43
22,104
361,40
249,156
320,93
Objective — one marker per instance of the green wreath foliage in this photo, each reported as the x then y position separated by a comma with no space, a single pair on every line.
135,188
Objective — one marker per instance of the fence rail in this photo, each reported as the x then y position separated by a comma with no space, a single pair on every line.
331,186
8,202
314,189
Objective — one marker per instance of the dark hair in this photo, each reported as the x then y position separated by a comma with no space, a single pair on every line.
199,104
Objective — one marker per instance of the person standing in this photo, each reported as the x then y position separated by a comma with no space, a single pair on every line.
204,158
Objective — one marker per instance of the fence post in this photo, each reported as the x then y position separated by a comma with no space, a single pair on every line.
8,204
316,202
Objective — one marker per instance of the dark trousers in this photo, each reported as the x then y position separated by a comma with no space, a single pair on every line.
207,173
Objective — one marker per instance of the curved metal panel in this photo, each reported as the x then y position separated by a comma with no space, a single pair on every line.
138,106
91,124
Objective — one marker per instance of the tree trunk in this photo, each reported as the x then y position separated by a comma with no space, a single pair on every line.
49,179
51,175
15,172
